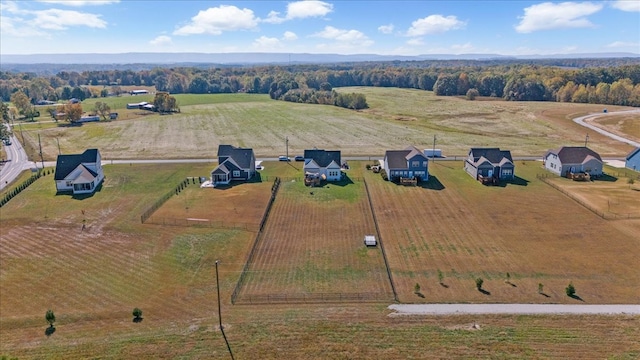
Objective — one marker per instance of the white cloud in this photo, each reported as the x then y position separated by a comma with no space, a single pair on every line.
56,19
27,23
300,10
162,40
386,29
627,5
289,36
79,3
548,16
623,44
266,43
216,20
434,24
343,39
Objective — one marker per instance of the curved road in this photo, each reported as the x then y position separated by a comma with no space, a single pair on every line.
524,309
581,120
17,162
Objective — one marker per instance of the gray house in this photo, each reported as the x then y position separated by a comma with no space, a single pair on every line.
569,160
633,160
234,164
409,163
79,173
489,165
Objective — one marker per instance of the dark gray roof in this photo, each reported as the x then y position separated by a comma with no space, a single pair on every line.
574,154
322,157
67,163
397,159
494,155
241,156
633,153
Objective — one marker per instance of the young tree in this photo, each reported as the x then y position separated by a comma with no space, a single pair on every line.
508,279
416,288
479,283
137,314
440,276
50,317
540,288
570,290
102,109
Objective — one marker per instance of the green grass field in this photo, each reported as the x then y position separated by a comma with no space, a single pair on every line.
396,118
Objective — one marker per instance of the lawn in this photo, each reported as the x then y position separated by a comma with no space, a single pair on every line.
93,278
396,118
527,229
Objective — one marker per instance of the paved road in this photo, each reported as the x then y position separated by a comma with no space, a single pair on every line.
17,162
525,309
581,121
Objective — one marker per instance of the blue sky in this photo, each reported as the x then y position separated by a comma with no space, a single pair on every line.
342,27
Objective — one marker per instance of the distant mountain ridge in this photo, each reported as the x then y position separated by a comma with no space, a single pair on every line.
265,58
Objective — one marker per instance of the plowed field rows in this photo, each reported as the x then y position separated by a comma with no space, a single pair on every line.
317,248
467,230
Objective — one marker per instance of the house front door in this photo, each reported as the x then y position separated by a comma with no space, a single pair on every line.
490,173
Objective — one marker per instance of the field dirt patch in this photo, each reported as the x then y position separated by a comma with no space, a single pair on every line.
625,125
405,118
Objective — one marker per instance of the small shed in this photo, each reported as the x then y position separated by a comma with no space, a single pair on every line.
370,240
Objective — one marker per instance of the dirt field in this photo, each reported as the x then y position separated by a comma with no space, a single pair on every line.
467,230
612,196
313,245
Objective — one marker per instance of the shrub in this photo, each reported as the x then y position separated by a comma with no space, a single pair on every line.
137,313
384,175
479,283
570,290
50,317
416,288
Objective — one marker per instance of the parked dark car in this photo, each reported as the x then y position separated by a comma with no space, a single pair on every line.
299,158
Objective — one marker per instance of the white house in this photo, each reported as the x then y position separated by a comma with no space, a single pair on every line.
323,164
573,159
79,173
633,160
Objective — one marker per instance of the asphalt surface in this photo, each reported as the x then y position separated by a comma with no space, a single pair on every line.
524,309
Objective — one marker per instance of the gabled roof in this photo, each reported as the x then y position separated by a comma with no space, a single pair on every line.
322,157
398,159
574,154
493,155
243,157
65,164
85,176
633,153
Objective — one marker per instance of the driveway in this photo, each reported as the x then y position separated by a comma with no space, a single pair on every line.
525,309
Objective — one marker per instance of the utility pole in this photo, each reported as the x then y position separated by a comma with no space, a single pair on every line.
58,141
433,155
286,143
586,140
40,145
220,313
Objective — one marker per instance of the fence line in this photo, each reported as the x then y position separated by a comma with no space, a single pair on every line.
289,298
155,206
605,215
247,263
384,254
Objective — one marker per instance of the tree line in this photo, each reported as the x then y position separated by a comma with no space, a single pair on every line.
606,82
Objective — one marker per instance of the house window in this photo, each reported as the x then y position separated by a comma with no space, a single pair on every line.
69,183
424,164
415,164
507,172
236,173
